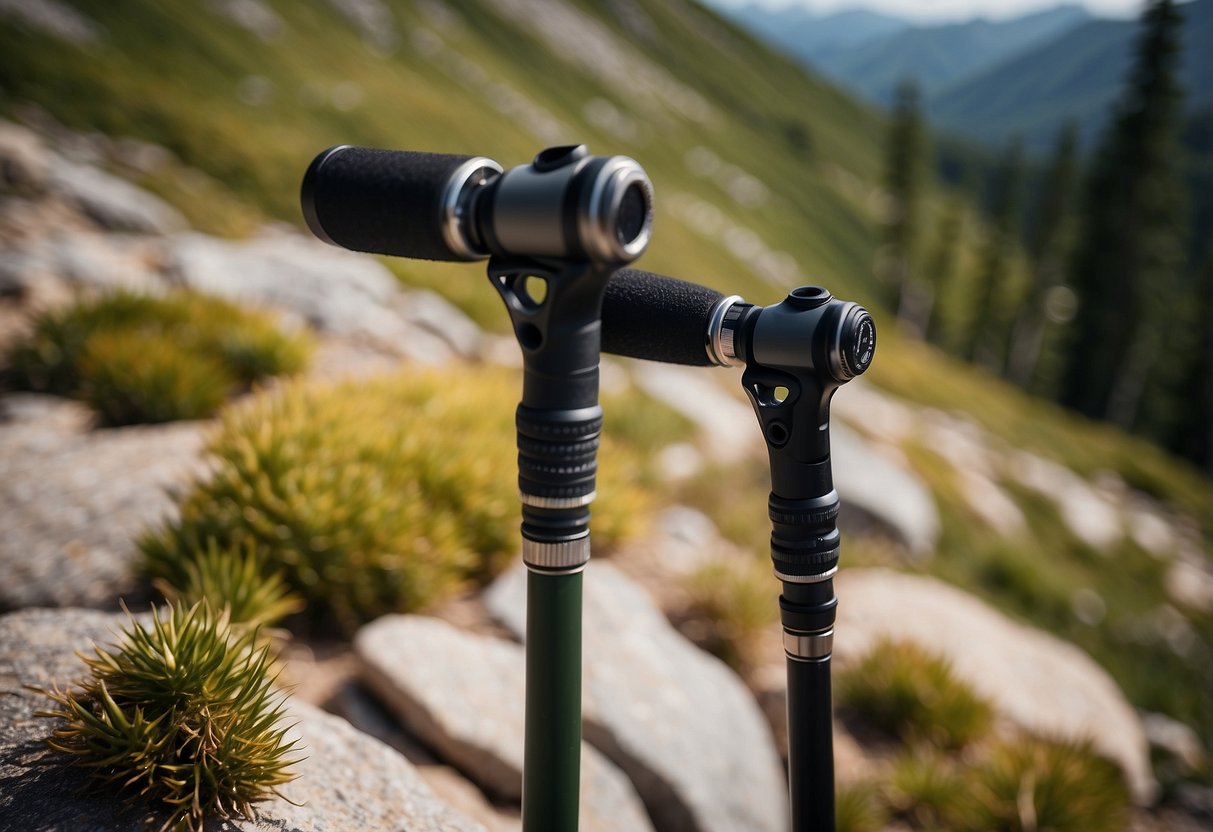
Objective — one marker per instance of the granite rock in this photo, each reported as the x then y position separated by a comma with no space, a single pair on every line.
73,501
1038,682
678,721
462,694
347,782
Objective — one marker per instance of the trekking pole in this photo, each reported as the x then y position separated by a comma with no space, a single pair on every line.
796,354
554,230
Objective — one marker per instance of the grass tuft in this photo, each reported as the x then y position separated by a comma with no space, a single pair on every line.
912,694
181,717
234,580
372,496
137,358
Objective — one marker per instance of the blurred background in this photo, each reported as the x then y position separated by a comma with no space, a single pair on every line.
1021,193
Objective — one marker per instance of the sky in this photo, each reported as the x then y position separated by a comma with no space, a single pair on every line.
949,10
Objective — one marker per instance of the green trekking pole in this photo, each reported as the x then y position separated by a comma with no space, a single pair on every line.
555,231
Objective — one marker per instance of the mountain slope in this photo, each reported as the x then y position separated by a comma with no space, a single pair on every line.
753,162
1076,76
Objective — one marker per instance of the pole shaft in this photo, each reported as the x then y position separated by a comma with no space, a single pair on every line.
810,745
552,755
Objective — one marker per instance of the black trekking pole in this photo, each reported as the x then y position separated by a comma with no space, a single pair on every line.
796,353
554,230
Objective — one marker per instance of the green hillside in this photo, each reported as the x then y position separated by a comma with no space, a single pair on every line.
251,113
765,178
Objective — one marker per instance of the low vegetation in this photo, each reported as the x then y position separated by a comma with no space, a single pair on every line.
141,358
910,693
952,772
376,496
181,718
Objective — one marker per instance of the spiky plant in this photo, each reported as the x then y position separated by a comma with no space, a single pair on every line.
1030,784
909,692
234,578
181,717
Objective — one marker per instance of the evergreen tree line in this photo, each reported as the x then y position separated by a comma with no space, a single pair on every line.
1094,288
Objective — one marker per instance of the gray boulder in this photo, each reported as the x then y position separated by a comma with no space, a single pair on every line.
462,694
680,723
1038,682
871,484
72,502
113,203
336,291
348,783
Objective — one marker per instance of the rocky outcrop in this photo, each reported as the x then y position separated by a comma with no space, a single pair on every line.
462,694
675,719
349,782
1040,683
73,501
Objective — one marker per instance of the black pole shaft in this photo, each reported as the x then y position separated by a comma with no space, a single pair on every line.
810,745
552,756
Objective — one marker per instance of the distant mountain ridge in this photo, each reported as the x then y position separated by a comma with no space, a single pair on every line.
871,53
988,80
798,30
1076,76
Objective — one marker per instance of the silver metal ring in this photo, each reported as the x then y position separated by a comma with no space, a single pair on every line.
808,645
471,174
556,502
721,349
838,367
567,555
596,224
808,579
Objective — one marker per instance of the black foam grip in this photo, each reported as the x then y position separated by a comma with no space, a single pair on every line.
380,201
646,315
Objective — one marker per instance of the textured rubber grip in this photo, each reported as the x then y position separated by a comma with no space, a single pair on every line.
557,454
380,201
804,535
646,315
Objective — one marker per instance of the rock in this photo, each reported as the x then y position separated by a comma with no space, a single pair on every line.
336,291
348,781
1176,739
726,423
84,260
989,502
1190,582
25,160
254,15
114,204
72,502
872,485
462,694
1038,682
675,719
54,18
1090,515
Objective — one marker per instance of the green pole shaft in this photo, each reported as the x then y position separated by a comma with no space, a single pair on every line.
551,770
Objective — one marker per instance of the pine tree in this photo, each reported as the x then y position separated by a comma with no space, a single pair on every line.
941,268
990,330
1127,267
1049,246
903,179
